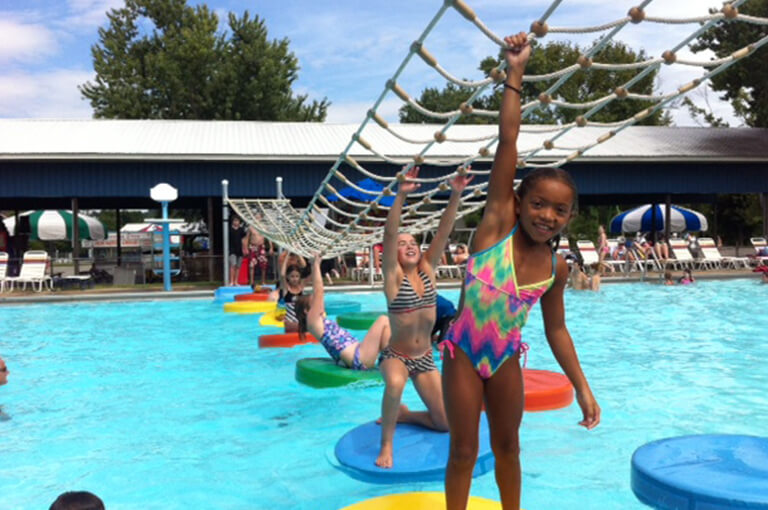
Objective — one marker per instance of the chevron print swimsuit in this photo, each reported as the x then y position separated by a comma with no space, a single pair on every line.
488,329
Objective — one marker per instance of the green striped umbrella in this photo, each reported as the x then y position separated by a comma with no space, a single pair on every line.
56,225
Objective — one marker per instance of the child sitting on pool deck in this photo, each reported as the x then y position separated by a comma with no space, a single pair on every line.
340,344
409,287
513,264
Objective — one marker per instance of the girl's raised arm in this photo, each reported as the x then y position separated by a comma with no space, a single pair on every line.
444,228
499,216
283,269
392,226
317,305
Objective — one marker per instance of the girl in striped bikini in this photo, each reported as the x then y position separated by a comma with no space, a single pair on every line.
512,266
409,285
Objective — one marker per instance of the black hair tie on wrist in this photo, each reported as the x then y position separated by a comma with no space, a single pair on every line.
507,85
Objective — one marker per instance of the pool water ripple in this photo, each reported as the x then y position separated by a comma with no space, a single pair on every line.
171,405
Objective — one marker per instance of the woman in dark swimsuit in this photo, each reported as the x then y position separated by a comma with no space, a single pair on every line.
291,287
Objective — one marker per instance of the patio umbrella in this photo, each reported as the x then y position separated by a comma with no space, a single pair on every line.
640,219
56,225
367,184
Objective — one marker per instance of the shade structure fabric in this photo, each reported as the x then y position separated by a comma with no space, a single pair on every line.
367,184
643,219
57,225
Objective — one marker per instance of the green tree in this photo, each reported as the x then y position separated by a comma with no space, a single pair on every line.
739,218
744,83
584,85
162,59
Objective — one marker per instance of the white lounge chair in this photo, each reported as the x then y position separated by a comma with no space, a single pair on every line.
683,257
712,255
588,252
33,271
759,244
3,270
564,249
451,270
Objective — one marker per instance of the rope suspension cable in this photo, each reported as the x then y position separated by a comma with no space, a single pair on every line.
350,223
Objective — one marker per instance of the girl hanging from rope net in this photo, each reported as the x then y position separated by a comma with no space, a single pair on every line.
512,265
344,348
409,286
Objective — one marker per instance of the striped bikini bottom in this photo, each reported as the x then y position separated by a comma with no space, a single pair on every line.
415,366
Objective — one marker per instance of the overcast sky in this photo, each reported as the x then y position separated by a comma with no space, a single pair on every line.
347,49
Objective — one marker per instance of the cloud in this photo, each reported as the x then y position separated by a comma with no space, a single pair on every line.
88,13
355,112
20,42
49,94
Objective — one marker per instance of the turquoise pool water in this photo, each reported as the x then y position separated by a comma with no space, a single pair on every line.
171,405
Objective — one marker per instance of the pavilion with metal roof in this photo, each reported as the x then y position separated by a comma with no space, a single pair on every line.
112,164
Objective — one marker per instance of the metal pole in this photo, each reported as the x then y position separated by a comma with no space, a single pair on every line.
75,235
279,193
119,240
370,265
210,239
225,226
668,217
166,249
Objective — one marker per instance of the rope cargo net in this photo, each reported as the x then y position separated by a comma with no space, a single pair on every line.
333,224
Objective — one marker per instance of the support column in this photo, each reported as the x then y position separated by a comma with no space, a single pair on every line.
75,235
371,267
119,242
225,228
764,203
667,217
210,238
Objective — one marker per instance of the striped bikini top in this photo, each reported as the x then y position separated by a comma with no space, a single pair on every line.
408,301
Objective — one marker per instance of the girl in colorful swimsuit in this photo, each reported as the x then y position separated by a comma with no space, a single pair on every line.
340,344
512,266
409,286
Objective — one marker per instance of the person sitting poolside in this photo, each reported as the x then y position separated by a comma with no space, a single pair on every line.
461,254
661,247
344,348
77,500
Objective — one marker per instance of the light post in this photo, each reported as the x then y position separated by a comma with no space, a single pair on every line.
165,193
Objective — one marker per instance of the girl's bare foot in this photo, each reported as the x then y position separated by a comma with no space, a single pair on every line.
385,456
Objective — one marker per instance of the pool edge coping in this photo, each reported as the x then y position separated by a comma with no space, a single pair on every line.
192,294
